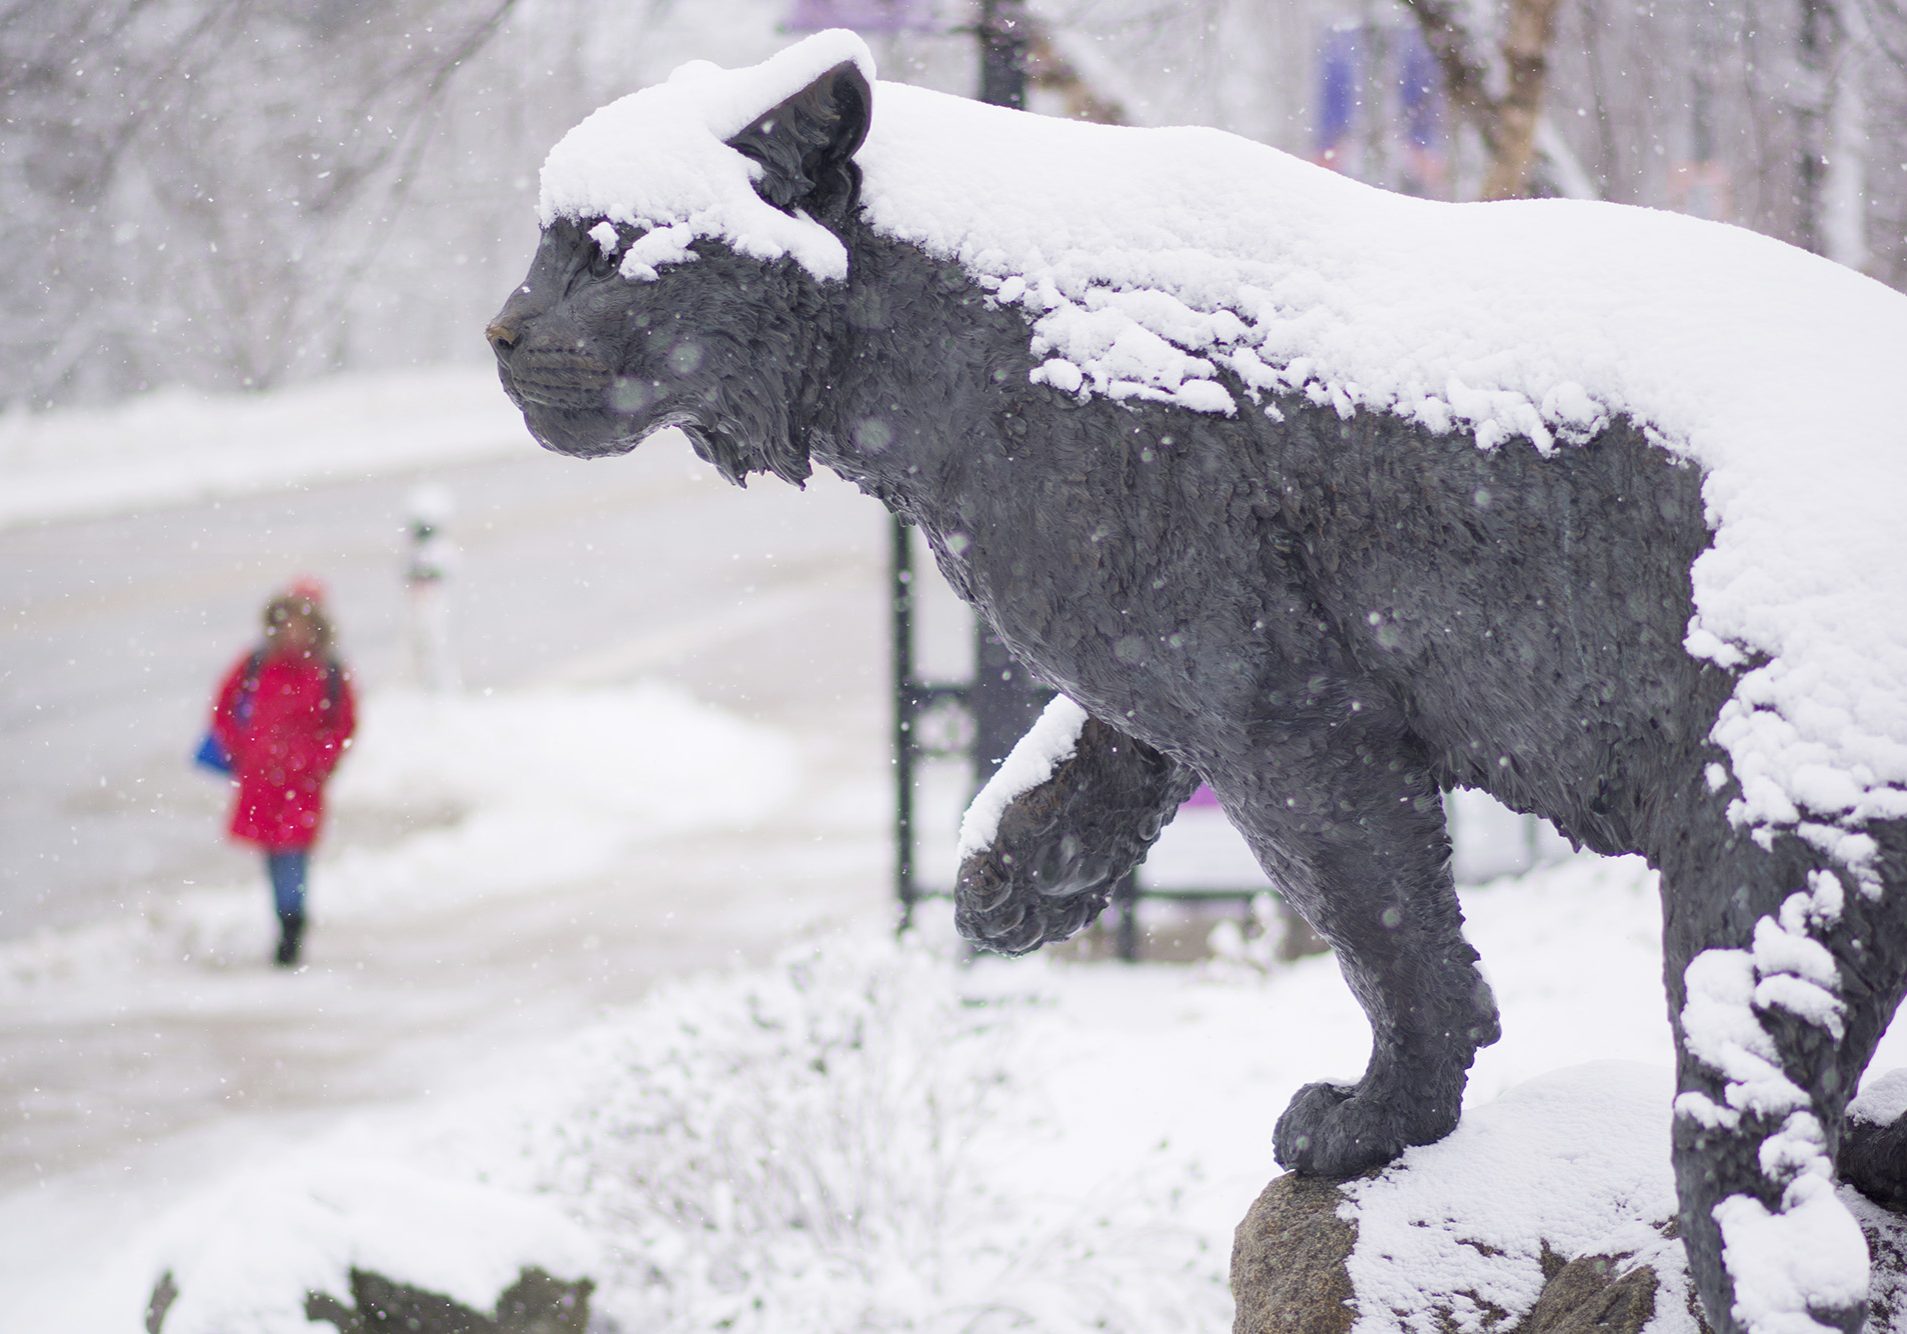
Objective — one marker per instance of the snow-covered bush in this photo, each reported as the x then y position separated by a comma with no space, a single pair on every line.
818,1146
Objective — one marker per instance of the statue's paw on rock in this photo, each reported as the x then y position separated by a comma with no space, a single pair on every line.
1548,1211
1339,1130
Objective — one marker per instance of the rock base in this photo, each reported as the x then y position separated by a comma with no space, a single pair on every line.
1290,1275
536,1303
1288,1259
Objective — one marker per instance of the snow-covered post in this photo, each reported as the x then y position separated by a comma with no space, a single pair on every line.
1826,103
1843,200
429,561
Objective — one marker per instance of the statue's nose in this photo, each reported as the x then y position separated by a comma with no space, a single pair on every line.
502,335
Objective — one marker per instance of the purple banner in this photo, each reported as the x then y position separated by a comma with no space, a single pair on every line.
1338,89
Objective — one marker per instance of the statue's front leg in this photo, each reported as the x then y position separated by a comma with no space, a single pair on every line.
1344,816
1073,808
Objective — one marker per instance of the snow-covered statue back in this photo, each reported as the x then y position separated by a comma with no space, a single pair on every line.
1333,499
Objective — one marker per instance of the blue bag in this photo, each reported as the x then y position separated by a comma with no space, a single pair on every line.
211,755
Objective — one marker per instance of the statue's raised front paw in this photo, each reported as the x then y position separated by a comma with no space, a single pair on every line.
1340,1130
1011,915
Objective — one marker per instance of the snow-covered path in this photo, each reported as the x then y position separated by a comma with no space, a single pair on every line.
428,956
768,602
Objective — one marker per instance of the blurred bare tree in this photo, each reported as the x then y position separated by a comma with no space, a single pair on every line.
1786,116
229,193
1781,115
190,189
1495,69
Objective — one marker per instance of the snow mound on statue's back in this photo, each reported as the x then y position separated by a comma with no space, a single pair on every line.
1194,268
1771,369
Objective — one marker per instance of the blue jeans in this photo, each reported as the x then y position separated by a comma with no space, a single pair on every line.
287,870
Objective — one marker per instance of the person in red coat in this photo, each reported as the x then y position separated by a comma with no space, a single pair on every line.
284,715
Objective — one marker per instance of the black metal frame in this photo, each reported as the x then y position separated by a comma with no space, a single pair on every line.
1001,700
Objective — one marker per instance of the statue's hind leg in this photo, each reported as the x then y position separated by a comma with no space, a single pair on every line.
1873,1159
1781,976
1872,1156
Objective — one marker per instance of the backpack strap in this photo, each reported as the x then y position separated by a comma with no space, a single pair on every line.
248,688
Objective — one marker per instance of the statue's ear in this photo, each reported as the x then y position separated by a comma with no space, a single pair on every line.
806,144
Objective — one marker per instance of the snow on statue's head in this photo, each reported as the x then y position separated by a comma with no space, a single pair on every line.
689,233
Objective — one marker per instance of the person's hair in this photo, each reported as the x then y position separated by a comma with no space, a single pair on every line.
287,605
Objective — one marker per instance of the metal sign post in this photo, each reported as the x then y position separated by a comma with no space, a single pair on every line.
1001,701
980,719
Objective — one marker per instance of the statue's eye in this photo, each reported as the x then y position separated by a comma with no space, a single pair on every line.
605,249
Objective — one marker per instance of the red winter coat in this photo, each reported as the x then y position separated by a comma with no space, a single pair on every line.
281,756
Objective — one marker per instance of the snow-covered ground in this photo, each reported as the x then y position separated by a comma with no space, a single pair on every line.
804,1127
859,1135
867,1135
177,445
563,849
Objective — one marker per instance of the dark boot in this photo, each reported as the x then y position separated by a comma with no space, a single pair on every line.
291,929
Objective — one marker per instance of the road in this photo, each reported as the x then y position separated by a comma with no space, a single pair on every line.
114,631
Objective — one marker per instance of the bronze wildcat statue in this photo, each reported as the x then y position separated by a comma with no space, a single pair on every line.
1179,420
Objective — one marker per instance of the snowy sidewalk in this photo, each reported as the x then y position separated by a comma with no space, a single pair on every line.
176,446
